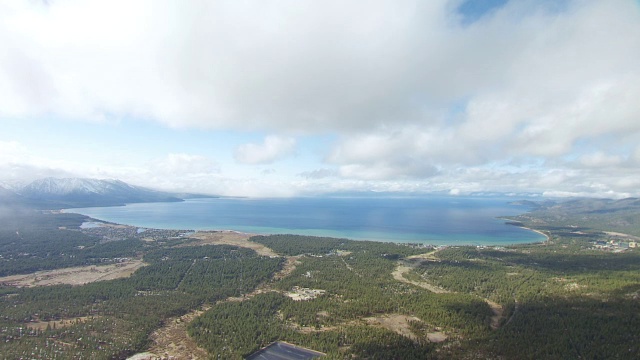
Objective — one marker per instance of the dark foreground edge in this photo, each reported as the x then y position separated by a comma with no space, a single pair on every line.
281,350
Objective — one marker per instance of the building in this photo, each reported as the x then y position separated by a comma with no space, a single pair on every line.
281,350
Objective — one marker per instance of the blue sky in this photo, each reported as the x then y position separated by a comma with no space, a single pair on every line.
474,10
286,98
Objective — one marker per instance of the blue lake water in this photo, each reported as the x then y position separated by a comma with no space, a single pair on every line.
429,220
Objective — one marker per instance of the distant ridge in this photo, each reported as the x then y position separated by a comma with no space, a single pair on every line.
57,193
588,205
7,196
622,215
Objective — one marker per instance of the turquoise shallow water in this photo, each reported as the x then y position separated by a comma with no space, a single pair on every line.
429,220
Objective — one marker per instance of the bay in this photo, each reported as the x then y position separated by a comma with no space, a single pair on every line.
427,220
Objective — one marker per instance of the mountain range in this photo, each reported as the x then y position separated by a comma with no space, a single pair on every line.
56,193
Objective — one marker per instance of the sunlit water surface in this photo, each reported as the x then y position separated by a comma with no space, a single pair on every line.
429,220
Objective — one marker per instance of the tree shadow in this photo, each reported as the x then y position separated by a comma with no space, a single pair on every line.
567,263
569,328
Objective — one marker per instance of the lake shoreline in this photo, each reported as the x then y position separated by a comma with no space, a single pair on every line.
101,222
447,222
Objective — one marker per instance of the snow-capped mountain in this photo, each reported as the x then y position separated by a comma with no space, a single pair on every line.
61,187
75,192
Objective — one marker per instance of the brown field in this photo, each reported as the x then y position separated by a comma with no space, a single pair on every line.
230,238
395,322
75,275
58,324
622,235
437,336
498,313
402,269
172,340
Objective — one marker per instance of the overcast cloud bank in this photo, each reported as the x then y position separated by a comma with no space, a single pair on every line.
530,96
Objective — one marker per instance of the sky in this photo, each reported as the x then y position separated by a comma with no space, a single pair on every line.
296,98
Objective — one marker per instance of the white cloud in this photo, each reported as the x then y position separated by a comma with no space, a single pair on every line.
319,173
600,159
185,165
16,174
11,151
173,172
273,148
411,93
310,65
636,155
18,165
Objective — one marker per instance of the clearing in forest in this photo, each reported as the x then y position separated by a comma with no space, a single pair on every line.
58,324
79,275
399,324
173,341
230,238
411,262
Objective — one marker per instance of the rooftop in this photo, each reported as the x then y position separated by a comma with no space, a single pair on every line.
280,350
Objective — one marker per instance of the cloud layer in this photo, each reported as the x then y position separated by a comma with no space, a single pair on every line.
531,95
273,148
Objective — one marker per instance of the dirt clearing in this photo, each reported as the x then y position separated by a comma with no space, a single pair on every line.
410,263
59,324
395,322
403,269
75,275
498,314
437,336
230,238
172,340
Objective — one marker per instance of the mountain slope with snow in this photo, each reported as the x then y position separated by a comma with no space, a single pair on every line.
76,192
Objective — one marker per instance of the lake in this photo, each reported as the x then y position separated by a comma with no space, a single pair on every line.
428,220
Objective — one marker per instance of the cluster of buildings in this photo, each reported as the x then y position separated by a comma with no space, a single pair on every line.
615,245
112,232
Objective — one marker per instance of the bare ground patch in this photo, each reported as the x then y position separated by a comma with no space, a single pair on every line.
622,235
395,322
230,238
172,340
410,263
58,324
430,256
403,268
437,336
144,356
79,275
498,313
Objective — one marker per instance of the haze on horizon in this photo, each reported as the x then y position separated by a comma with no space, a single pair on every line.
285,98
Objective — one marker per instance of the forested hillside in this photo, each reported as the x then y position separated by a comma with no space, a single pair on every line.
113,319
565,298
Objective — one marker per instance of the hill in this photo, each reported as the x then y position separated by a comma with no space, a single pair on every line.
55,193
597,214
